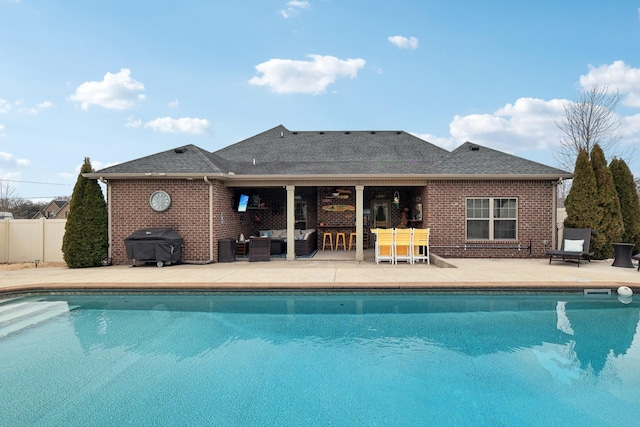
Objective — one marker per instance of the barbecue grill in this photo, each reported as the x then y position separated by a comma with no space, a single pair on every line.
162,246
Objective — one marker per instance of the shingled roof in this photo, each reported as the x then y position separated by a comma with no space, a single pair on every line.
279,151
473,159
188,159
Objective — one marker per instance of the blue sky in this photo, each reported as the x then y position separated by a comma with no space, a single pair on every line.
117,80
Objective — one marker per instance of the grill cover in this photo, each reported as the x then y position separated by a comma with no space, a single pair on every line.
154,244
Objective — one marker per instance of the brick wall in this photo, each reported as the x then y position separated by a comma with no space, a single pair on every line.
445,214
188,215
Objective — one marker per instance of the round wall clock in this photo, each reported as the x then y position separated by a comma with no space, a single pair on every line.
160,201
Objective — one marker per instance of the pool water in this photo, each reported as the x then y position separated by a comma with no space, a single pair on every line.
265,359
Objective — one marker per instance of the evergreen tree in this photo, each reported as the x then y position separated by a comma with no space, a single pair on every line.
629,201
581,200
85,240
610,227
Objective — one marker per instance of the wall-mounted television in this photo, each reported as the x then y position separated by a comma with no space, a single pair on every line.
244,201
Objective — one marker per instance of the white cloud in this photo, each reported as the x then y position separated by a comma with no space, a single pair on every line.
2,130
630,128
39,107
293,7
174,103
404,42
312,77
446,143
186,125
617,75
115,92
527,124
133,123
5,106
10,158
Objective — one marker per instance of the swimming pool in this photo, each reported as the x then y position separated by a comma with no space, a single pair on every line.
323,359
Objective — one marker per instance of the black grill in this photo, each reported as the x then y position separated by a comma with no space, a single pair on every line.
159,245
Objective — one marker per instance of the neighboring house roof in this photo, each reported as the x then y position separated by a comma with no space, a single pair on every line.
54,205
59,203
281,152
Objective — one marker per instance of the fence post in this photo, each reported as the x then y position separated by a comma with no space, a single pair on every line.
5,242
44,239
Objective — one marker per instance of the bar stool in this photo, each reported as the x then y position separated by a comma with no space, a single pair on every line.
352,239
327,235
343,235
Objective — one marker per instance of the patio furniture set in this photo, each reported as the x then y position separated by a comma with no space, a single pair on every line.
274,242
576,243
401,244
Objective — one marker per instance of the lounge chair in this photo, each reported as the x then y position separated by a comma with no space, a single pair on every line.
575,246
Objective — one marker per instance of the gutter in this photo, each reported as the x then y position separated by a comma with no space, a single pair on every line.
109,234
342,177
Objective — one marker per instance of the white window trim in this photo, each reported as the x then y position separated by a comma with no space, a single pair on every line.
491,219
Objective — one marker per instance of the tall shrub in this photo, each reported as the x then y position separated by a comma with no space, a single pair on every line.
610,227
629,202
581,201
85,239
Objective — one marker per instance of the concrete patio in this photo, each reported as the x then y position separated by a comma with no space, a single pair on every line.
329,271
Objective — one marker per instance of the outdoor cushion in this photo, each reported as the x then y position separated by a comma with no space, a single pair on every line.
265,233
573,245
279,234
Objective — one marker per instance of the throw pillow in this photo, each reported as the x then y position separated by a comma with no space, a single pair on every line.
573,245
265,233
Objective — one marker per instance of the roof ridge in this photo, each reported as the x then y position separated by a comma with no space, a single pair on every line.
206,157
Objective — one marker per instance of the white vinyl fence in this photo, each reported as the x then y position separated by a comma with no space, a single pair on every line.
28,240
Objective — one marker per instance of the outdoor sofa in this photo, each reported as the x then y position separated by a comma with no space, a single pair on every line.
306,241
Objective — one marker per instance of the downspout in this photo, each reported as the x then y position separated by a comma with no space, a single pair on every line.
211,246
109,234
554,229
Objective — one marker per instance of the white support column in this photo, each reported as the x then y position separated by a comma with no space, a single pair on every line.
291,223
359,222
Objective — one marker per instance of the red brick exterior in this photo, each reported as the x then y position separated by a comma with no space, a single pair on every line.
188,215
445,212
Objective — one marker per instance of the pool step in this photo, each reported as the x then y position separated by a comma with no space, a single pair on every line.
15,317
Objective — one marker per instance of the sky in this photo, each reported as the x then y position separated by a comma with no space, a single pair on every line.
118,80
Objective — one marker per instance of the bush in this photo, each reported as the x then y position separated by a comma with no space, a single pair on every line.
86,240
609,226
629,202
581,200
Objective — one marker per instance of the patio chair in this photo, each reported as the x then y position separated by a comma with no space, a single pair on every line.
420,246
402,245
575,246
384,245
260,249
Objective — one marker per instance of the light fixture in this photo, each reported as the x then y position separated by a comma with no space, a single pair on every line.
396,199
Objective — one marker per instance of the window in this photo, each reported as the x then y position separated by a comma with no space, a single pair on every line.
492,219
300,215
300,211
